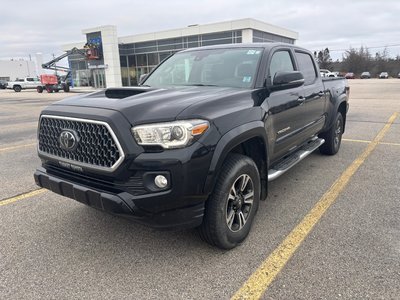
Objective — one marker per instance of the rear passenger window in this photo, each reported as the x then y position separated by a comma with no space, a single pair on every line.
307,67
280,62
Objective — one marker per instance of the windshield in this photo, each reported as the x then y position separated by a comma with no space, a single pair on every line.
210,67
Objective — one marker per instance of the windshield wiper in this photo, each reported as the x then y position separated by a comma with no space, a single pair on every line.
199,84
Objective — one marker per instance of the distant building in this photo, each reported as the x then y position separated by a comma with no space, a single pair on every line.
113,61
13,69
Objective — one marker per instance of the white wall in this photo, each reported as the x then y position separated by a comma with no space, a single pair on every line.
17,69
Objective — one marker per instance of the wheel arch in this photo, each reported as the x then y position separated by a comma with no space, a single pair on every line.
342,108
249,139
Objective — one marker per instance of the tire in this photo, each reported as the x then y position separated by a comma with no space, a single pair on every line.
228,219
39,89
332,137
49,89
66,88
17,88
56,90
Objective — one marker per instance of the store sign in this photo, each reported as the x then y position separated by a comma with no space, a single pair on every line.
98,66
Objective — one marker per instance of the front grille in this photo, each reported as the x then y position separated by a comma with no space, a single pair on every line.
96,144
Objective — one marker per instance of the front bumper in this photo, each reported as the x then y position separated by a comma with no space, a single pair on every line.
122,203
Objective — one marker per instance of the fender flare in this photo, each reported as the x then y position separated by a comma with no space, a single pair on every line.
342,99
228,142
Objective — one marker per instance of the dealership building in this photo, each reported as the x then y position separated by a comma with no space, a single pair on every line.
113,61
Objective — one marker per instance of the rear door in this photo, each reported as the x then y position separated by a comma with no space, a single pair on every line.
284,108
30,83
314,94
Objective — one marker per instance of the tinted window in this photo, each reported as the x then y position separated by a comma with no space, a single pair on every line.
307,67
217,67
280,62
29,79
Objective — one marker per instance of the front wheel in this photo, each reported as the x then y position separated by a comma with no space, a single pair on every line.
333,137
231,208
17,88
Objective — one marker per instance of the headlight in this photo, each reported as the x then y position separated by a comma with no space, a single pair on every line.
170,135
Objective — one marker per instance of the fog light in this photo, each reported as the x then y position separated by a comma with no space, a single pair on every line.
160,181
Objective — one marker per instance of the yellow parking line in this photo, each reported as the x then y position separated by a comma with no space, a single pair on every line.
260,280
16,147
364,141
21,197
391,144
356,141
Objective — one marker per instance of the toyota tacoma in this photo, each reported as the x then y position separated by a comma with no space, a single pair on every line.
195,144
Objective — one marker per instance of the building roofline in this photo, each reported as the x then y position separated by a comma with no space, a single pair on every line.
247,23
240,24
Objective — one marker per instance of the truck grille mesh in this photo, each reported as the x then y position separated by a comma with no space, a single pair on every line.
96,145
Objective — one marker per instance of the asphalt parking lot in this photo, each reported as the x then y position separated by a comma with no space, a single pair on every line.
330,228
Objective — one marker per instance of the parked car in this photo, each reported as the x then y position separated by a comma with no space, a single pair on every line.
349,75
24,83
195,146
384,75
327,73
365,75
398,75
3,84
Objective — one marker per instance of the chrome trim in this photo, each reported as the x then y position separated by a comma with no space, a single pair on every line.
77,163
300,155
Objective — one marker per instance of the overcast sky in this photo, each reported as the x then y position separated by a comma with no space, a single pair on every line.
42,25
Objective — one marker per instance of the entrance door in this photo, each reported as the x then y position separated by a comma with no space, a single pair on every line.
99,79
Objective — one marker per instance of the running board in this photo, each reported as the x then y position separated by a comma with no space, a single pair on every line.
294,158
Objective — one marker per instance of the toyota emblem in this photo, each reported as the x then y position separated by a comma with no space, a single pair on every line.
68,140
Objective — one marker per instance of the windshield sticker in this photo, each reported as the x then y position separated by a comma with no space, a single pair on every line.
252,52
247,79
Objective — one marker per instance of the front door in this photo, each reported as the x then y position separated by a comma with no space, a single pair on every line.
99,79
285,108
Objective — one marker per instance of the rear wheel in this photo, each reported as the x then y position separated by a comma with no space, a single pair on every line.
17,88
231,208
39,89
66,88
332,137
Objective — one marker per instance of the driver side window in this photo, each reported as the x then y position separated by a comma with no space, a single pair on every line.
281,61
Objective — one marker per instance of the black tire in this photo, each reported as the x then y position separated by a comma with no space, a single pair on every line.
332,137
49,89
223,208
39,89
66,88
17,88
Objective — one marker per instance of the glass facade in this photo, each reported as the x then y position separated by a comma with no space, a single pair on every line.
80,72
140,58
265,37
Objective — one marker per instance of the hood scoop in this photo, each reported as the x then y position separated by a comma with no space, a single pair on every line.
120,93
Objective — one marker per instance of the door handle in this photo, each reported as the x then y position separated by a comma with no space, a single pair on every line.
301,99
321,94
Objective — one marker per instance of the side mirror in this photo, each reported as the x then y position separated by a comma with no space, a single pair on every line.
287,80
142,78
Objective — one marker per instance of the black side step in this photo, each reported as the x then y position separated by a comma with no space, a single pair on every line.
294,158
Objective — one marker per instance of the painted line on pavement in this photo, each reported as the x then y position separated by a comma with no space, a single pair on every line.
364,141
16,147
22,196
265,274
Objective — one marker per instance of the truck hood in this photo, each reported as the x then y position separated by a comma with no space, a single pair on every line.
144,105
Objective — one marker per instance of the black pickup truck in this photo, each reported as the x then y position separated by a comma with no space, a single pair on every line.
196,144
